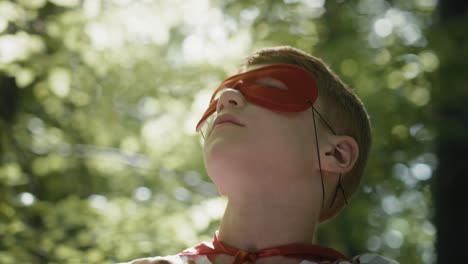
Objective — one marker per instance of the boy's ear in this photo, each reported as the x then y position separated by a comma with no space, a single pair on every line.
339,154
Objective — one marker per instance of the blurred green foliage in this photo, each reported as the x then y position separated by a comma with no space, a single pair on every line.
99,162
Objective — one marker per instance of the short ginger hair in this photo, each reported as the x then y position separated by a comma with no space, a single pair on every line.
341,108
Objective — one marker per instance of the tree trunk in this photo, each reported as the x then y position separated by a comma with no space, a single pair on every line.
450,97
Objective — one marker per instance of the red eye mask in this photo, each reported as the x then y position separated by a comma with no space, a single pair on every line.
279,87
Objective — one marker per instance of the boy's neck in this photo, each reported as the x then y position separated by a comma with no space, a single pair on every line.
255,224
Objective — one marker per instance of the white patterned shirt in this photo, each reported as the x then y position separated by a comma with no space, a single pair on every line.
367,258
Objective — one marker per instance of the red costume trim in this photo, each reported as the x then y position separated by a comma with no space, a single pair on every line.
298,251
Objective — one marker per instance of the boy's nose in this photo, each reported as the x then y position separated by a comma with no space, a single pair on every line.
230,98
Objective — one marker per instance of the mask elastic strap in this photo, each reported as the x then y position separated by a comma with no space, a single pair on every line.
339,184
318,155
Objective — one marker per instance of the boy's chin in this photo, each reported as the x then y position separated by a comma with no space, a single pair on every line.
238,191
234,179
225,154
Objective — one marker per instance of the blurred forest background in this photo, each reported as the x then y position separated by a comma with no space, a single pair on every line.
99,159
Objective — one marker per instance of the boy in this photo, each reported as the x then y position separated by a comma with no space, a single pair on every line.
287,142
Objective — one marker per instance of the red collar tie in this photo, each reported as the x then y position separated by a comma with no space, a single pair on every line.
298,251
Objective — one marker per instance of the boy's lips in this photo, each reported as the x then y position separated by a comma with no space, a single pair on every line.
226,118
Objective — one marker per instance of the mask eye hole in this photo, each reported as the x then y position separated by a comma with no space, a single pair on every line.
271,83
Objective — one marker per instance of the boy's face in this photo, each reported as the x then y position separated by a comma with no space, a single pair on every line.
268,151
